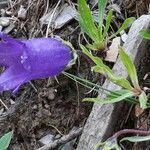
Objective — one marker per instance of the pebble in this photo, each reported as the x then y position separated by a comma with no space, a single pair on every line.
9,28
4,21
12,102
1,28
22,13
1,111
58,136
47,139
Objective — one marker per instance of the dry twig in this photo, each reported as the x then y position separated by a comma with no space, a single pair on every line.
64,139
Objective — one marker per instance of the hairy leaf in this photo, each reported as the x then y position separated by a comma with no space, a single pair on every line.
105,70
130,67
108,21
5,140
86,20
125,25
101,7
145,34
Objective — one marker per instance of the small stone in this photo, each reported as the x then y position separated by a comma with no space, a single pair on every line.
58,136
22,13
112,53
1,28
124,36
3,12
1,111
35,107
69,145
12,102
9,13
68,13
51,94
47,139
61,16
9,28
4,21
46,106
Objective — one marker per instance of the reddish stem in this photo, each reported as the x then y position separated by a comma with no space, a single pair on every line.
131,131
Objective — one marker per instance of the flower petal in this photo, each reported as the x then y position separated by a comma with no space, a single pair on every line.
31,59
13,77
45,57
10,50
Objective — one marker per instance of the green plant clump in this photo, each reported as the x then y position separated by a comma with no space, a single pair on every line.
128,90
98,32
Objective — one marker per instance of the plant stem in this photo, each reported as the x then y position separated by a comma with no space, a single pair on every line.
75,78
130,131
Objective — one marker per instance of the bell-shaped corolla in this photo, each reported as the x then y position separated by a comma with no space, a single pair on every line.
27,60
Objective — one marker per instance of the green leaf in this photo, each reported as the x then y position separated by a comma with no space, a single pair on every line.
125,25
96,60
108,21
130,67
97,88
5,140
97,46
107,72
136,138
145,34
101,7
143,100
108,145
86,20
110,99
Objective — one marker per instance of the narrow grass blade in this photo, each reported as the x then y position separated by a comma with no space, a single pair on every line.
90,85
5,140
110,99
86,83
86,20
108,21
145,34
130,67
101,7
125,25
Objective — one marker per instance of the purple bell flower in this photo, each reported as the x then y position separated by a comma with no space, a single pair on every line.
31,59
